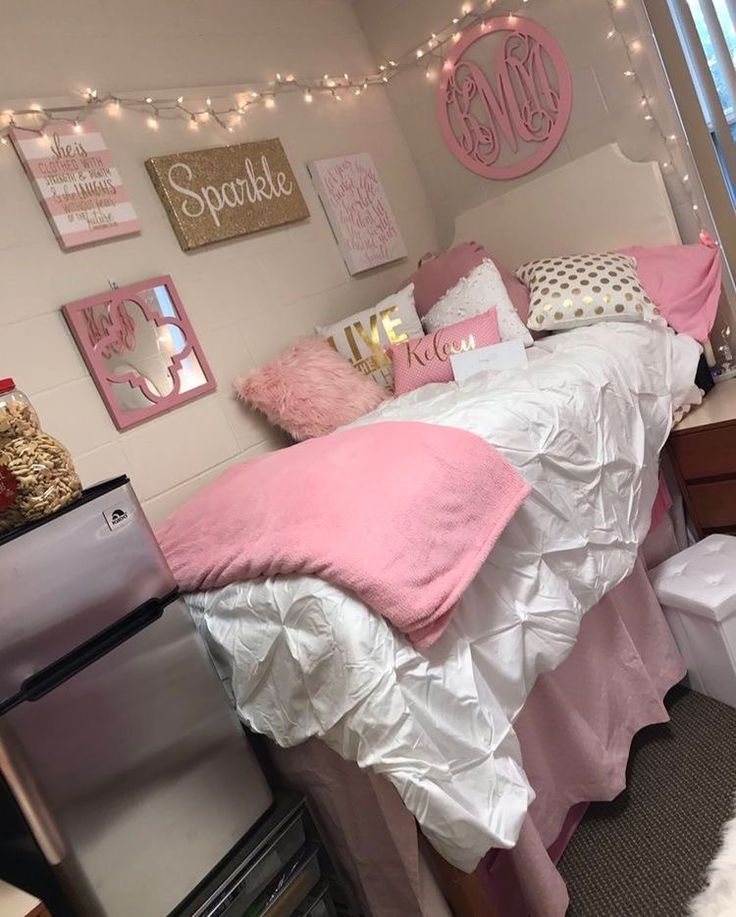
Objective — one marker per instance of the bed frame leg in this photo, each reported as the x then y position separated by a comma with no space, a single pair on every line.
464,891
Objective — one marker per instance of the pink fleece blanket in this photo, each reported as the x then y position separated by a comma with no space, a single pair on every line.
401,514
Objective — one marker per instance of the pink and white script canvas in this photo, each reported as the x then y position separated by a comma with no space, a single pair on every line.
358,210
73,175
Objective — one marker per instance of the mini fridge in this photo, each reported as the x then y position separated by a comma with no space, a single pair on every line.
126,776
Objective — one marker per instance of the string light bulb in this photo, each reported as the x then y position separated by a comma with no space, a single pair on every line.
669,165
308,97
193,123
77,127
419,53
208,102
4,140
180,100
152,121
269,102
149,100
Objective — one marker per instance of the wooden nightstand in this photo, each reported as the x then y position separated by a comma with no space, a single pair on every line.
703,450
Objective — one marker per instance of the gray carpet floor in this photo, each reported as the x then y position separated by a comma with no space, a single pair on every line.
645,853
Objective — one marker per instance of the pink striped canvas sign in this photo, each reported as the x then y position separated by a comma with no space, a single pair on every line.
75,179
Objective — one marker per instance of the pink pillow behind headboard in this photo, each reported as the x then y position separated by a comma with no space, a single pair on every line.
441,272
423,360
683,281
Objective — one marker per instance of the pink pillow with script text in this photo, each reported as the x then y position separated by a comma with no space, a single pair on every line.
683,281
423,360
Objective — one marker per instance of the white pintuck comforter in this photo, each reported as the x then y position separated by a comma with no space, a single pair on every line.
584,424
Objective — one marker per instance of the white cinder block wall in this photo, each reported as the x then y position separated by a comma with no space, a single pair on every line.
606,105
247,298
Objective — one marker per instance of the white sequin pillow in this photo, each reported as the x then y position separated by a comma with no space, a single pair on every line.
583,289
475,294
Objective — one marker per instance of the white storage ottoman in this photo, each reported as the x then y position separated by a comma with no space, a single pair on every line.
697,589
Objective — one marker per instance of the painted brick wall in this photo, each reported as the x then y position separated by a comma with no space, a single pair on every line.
247,298
606,106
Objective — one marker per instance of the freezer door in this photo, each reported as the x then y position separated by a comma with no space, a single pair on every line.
134,774
66,578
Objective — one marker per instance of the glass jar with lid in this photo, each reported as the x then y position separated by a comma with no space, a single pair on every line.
37,476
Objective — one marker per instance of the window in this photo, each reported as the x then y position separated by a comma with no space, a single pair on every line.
707,31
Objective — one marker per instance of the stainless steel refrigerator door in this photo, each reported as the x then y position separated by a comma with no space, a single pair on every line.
136,772
68,577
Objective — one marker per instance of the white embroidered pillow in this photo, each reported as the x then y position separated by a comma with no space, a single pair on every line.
583,289
475,294
365,337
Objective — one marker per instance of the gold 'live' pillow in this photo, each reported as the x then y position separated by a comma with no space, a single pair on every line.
364,338
583,289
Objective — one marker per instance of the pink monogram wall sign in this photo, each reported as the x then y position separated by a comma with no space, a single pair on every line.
504,98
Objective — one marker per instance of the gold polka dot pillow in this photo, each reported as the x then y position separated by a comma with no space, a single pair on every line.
583,289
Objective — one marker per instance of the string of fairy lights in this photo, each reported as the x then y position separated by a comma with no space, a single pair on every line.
670,141
429,54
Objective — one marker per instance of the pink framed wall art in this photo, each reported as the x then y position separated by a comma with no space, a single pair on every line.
141,350
358,211
504,97
76,182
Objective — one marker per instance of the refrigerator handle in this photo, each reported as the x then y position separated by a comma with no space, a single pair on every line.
35,687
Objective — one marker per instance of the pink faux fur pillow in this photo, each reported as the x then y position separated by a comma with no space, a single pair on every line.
310,390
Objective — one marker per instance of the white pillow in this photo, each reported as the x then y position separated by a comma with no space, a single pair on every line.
364,337
473,295
581,290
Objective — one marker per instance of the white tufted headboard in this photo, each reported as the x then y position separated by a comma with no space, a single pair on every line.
598,202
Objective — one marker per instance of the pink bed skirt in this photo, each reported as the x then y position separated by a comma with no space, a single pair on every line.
575,732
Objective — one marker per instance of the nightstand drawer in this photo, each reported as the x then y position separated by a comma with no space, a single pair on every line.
706,453
714,504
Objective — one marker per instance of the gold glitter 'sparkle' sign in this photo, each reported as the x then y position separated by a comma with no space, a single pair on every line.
229,191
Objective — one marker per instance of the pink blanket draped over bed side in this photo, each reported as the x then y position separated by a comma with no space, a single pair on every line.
401,514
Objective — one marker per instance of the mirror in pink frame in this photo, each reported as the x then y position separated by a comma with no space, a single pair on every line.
141,349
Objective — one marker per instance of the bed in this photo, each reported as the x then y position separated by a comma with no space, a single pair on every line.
457,729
